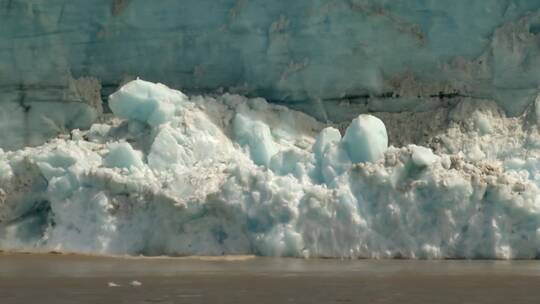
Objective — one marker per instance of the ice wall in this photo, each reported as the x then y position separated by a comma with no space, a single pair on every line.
178,175
332,59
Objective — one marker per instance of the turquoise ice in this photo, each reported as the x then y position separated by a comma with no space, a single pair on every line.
174,174
60,59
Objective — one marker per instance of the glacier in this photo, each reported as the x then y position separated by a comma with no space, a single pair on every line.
332,59
307,128
173,174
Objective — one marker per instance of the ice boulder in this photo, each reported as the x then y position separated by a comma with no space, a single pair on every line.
331,158
422,156
152,103
366,139
326,138
335,162
122,155
256,136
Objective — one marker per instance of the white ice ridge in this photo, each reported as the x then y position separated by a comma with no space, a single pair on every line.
176,175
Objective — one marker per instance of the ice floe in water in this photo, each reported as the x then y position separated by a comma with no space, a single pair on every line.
178,175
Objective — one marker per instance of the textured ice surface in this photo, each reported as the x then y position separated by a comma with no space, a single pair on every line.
141,101
333,59
171,174
365,139
122,155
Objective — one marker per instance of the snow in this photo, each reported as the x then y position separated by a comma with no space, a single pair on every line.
170,174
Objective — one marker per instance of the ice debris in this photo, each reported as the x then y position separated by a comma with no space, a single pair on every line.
122,155
146,102
178,175
366,139
422,156
135,283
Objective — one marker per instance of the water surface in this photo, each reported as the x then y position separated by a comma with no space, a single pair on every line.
84,279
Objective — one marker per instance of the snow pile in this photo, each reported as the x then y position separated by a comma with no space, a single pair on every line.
178,175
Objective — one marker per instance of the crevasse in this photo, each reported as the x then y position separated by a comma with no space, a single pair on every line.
170,174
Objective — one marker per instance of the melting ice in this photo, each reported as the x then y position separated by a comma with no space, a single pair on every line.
173,174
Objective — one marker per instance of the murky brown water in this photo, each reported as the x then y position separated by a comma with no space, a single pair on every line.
79,279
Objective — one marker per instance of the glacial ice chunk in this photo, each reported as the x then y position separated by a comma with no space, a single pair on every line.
422,156
146,102
335,161
256,136
326,138
122,155
291,162
366,139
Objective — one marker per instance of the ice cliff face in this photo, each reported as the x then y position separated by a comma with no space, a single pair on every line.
332,59
446,164
177,175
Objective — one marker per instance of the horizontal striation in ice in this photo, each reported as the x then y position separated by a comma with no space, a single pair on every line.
332,59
